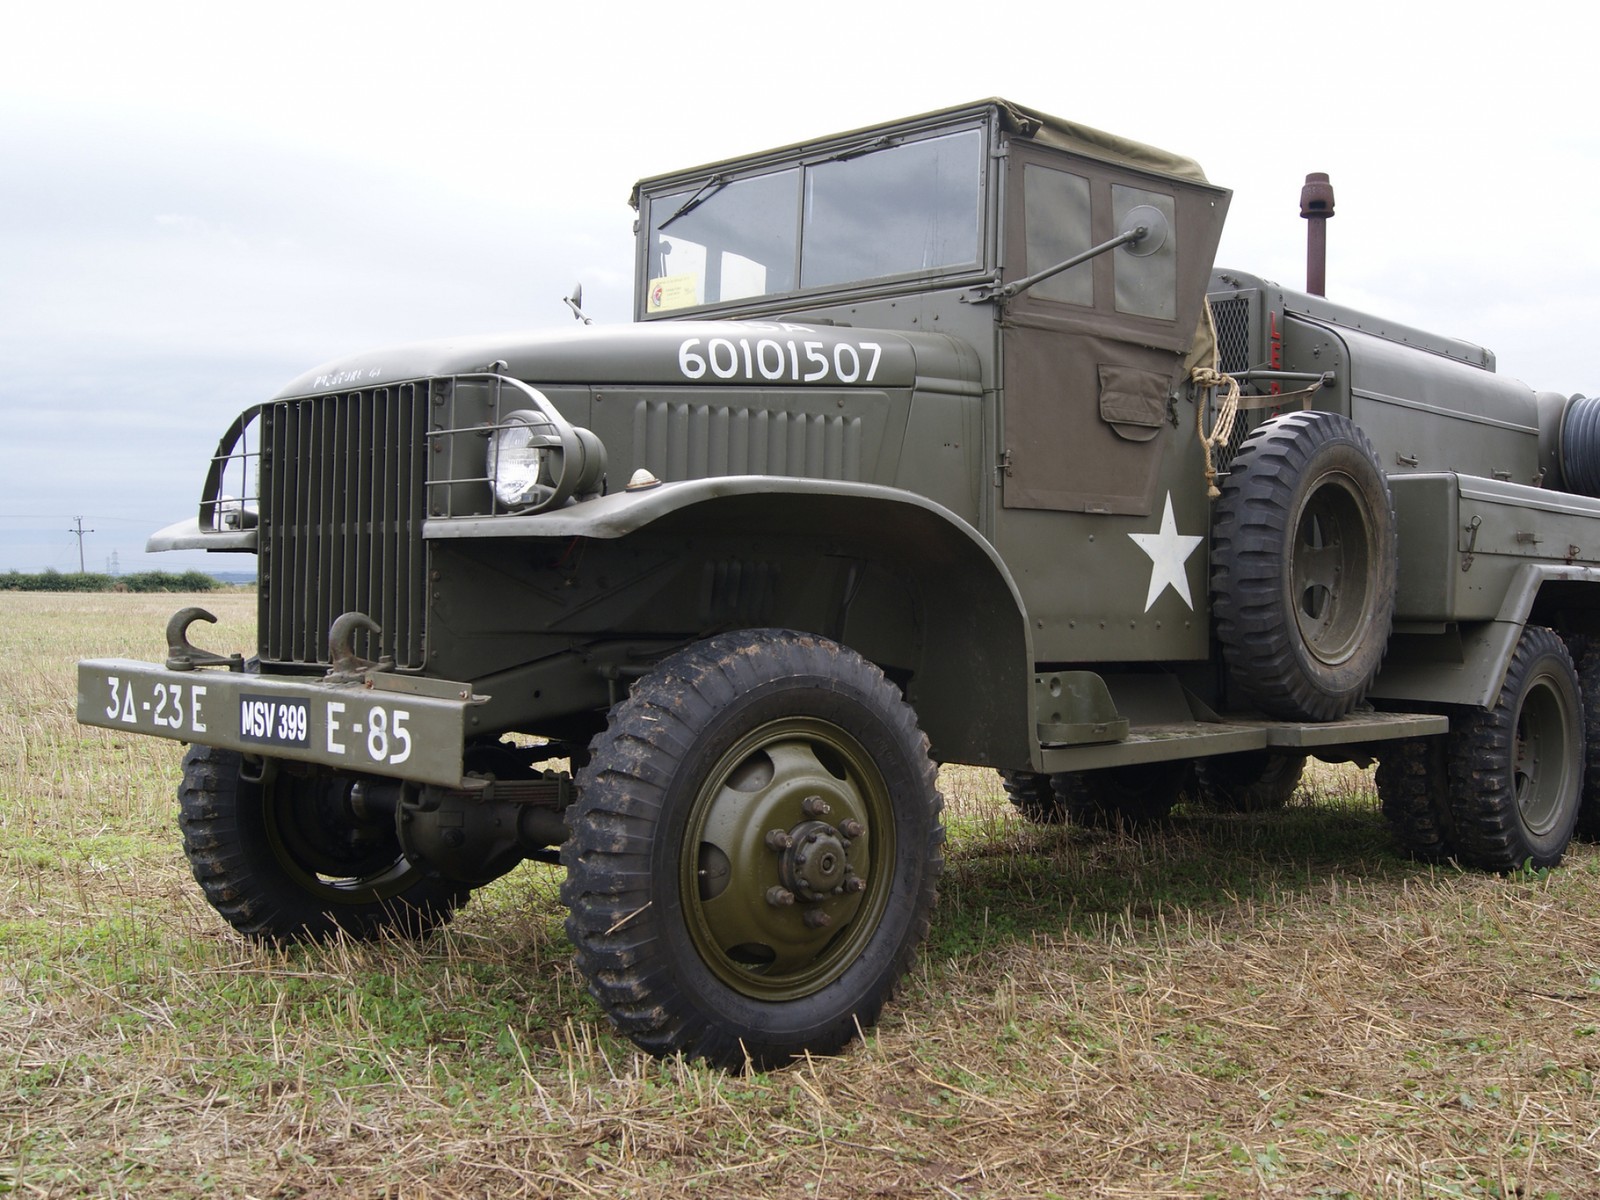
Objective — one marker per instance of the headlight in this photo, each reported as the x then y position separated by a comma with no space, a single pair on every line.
233,513
537,461
520,454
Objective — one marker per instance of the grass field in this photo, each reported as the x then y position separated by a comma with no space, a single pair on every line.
1235,1007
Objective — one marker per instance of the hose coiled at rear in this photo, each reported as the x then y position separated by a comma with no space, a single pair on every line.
1580,446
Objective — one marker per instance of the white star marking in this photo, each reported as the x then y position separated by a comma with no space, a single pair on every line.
1169,550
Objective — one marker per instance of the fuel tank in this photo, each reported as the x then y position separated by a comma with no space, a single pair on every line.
1429,403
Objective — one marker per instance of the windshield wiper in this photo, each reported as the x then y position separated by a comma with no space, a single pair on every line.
707,190
883,143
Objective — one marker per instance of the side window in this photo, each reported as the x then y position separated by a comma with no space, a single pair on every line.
1056,222
1147,283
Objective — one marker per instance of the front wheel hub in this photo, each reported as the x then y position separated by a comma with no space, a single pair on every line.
816,863
783,875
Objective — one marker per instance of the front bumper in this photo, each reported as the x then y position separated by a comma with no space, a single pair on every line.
401,726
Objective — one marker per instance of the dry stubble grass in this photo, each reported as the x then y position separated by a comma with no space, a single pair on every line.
1236,1007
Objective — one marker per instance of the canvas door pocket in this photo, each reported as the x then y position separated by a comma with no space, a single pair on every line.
1133,402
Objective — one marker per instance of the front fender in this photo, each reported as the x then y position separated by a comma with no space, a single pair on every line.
622,513
972,681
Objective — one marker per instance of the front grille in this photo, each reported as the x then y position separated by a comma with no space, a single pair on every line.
1232,316
342,496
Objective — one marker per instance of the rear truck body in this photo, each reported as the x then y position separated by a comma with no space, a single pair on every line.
938,441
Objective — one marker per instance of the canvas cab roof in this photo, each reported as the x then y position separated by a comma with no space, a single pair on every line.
1014,120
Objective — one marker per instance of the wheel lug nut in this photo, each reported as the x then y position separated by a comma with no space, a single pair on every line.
851,827
779,897
855,884
779,839
817,919
814,806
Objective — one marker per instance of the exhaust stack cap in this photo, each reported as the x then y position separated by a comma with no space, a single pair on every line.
1316,198
1316,206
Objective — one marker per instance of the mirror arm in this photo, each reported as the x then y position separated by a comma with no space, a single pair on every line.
575,303
1004,291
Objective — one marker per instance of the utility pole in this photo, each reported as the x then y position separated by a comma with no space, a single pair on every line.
80,531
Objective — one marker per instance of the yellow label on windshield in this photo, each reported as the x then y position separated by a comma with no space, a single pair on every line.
673,291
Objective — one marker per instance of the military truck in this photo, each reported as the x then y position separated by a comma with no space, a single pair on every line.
934,442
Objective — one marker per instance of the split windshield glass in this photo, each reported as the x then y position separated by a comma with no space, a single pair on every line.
902,208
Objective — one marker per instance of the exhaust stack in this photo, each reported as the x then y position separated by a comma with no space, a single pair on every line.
1316,206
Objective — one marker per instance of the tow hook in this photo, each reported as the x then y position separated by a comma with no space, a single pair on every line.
345,666
181,656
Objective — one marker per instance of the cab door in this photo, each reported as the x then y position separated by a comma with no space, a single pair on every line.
1092,357
1103,513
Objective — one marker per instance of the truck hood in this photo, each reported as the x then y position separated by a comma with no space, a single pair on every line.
735,353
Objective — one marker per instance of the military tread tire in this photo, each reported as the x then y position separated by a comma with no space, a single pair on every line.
281,862
1516,770
1303,566
1251,782
1585,650
1126,798
1034,796
1413,791
754,850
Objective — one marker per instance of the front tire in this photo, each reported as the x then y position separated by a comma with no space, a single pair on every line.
284,859
755,850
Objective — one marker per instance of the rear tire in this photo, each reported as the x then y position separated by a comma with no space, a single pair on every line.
1413,787
1254,781
1034,796
1516,770
1126,798
1585,650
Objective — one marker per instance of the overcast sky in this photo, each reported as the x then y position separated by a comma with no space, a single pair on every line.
199,202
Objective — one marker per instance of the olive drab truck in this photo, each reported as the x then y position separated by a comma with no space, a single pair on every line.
937,441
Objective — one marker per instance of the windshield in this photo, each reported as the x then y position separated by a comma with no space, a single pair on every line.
912,208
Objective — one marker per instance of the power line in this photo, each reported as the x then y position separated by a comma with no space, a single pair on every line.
43,517
80,531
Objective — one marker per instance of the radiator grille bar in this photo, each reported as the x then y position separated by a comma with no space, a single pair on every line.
342,481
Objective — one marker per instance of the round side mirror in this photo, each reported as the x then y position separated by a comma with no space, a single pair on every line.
1156,230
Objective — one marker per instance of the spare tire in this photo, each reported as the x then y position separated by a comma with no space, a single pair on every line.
1303,565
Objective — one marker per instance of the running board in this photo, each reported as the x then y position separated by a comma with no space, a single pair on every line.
1233,735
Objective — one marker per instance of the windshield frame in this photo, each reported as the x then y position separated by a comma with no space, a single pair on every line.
660,201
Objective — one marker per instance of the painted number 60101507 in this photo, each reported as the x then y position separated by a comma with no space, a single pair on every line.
772,360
